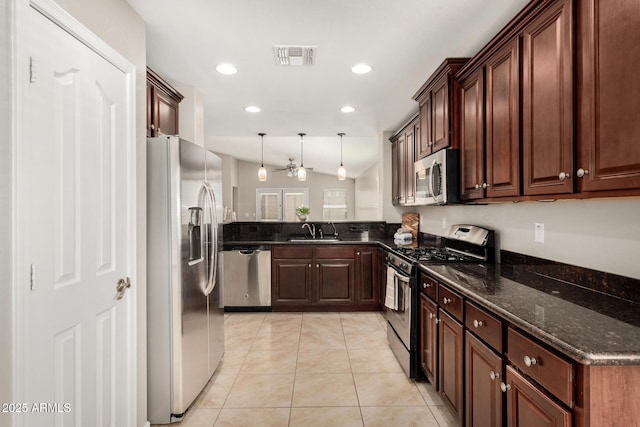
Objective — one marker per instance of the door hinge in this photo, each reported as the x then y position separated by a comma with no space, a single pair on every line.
32,70
32,277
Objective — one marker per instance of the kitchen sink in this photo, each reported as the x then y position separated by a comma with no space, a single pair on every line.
311,240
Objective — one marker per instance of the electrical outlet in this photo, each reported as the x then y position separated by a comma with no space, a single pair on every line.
539,232
444,223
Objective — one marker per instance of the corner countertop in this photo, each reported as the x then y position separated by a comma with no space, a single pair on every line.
587,326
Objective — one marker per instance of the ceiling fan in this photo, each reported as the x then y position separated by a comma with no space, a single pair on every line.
291,168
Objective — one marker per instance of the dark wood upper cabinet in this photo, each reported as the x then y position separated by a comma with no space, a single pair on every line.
424,146
472,159
608,84
403,186
547,101
162,106
438,109
502,109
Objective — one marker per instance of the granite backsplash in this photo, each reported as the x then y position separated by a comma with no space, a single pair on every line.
281,231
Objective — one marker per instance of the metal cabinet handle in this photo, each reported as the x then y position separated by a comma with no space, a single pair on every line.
505,387
437,321
318,265
431,315
485,185
494,375
530,361
477,187
478,323
582,172
563,176
309,265
358,253
446,300
426,285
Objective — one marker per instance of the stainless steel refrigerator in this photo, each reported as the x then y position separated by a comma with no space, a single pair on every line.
185,312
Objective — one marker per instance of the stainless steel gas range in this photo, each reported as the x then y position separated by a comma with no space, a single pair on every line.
461,244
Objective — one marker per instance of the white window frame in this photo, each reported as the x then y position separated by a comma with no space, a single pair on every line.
327,209
281,201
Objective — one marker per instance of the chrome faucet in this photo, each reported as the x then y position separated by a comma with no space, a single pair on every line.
311,228
335,232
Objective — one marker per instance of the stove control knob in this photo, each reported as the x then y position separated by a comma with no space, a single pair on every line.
403,265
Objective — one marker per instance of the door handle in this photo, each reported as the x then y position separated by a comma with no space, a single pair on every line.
121,287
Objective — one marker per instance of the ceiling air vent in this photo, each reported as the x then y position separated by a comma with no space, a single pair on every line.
294,55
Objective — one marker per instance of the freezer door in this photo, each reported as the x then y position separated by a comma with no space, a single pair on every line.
191,367
215,300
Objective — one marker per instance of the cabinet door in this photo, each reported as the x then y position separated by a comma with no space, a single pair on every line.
440,125
502,111
425,141
165,114
482,385
395,170
335,281
529,407
608,87
472,136
409,179
402,174
150,124
429,339
366,275
451,344
291,282
547,102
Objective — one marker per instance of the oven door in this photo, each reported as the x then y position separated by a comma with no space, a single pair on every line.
400,319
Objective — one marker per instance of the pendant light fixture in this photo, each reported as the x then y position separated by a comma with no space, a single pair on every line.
262,172
302,172
342,171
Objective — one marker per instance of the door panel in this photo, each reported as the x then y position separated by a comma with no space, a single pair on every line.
76,218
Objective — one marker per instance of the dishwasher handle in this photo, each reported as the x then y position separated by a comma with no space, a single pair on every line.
250,251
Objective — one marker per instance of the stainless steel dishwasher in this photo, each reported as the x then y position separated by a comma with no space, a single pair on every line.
246,278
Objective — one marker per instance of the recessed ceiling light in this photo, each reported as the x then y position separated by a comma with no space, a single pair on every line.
361,69
347,109
226,69
252,109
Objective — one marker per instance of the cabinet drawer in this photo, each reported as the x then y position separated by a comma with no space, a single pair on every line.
549,370
450,301
292,251
335,252
484,325
429,286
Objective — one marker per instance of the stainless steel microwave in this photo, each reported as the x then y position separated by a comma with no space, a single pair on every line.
438,178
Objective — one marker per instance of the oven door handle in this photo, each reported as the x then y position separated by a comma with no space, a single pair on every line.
400,282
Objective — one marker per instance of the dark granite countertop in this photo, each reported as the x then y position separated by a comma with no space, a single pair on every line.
386,243
590,327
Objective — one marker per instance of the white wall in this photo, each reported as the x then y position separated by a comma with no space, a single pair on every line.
115,22
6,243
191,114
316,182
367,188
229,180
601,234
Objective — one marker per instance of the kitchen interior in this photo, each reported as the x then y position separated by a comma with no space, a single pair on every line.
469,251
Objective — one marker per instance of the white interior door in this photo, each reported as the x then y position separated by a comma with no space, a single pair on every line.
75,221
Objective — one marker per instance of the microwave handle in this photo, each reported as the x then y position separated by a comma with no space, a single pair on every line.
430,180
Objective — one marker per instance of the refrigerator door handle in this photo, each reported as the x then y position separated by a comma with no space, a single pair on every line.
213,257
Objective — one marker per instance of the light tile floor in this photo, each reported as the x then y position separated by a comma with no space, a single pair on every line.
312,370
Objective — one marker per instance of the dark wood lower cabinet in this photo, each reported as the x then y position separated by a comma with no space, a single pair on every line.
529,407
367,275
292,280
429,339
451,380
325,277
483,375
335,281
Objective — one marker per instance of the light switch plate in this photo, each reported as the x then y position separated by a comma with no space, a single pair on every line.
539,232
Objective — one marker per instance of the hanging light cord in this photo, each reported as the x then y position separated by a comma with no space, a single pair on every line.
262,148
341,135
